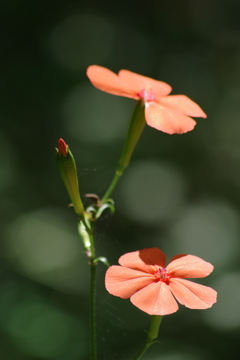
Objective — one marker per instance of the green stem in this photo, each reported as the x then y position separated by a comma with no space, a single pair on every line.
111,187
152,335
136,127
142,351
92,296
85,229
92,310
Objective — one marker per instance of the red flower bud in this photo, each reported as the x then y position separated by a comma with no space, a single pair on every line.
68,172
62,148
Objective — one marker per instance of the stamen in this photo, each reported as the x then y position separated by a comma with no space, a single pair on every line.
162,274
146,95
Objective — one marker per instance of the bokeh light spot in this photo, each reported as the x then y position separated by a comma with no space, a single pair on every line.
225,314
93,116
44,250
81,40
42,331
152,192
209,230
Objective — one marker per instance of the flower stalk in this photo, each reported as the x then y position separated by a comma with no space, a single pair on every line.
93,309
85,230
152,334
136,127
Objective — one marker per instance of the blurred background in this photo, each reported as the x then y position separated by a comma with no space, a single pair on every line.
181,192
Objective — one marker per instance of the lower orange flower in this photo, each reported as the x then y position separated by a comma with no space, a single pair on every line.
151,287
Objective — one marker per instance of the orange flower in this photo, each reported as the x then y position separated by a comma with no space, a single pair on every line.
151,287
169,114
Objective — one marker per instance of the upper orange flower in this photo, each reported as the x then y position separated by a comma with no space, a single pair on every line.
166,113
151,287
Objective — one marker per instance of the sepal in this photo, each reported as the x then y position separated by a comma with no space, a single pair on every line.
68,172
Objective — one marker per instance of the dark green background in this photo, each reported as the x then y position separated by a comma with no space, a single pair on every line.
181,192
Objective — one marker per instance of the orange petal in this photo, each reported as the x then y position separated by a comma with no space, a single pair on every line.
144,260
192,295
167,120
108,81
189,266
184,104
139,82
124,282
155,299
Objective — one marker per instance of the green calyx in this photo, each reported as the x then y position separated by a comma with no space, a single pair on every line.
68,172
135,129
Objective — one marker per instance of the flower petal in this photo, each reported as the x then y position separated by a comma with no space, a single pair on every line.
189,266
167,120
144,260
106,80
192,295
124,282
139,82
184,104
155,299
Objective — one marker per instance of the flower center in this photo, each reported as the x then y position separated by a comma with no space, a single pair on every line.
162,275
146,95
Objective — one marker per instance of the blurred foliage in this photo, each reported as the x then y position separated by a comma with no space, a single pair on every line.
181,193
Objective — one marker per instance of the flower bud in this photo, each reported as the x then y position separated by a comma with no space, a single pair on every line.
67,170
